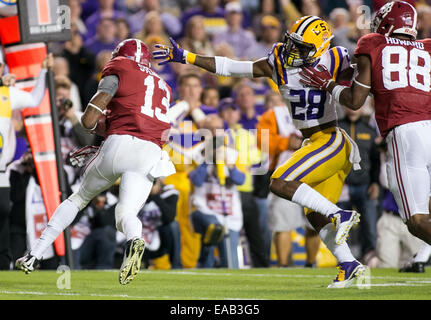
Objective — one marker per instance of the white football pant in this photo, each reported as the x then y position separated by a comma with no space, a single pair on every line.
409,167
122,156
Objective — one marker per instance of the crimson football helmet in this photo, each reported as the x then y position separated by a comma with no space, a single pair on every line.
133,49
396,17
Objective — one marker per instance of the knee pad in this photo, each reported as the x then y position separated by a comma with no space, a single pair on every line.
79,200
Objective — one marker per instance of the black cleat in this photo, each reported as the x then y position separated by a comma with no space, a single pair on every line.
416,267
214,234
27,263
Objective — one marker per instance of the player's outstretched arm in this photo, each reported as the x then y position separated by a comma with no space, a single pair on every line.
352,97
219,65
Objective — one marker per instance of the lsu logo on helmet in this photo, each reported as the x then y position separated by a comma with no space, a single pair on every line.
308,39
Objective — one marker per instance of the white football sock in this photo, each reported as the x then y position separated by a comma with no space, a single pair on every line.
310,198
423,254
60,220
340,251
132,227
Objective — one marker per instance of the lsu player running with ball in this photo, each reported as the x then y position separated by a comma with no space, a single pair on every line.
313,177
395,67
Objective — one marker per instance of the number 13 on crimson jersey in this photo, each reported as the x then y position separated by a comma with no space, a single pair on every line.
400,79
141,103
149,108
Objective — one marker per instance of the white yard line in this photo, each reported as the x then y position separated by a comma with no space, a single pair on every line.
424,280
40,293
399,282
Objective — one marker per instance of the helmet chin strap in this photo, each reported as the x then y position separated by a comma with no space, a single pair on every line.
387,34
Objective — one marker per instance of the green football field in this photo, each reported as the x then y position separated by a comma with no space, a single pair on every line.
212,284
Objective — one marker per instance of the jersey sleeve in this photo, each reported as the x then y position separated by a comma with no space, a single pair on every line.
117,67
367,43
340,60
276,61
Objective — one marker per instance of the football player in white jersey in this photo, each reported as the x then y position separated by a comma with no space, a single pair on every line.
313,177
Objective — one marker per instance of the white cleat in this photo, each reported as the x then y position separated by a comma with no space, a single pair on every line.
132,260
343,221
27,263
349,273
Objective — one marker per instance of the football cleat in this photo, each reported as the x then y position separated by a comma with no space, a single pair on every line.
132,260
213,235
416,267
343,221
27,263
348,272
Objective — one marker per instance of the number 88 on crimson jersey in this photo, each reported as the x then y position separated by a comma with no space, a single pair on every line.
400,79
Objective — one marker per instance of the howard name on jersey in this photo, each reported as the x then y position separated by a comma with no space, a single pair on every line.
140,105
308,107
400,79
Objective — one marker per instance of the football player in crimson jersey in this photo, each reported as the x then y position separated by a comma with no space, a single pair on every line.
138,101
395,68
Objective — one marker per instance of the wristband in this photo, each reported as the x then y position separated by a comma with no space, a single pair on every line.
94,128
190,57
361,84
336,92
97,108
197,114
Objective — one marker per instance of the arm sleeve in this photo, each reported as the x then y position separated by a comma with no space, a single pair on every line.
109,84
233,68
21,99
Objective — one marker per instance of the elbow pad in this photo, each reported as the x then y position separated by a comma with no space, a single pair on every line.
231,68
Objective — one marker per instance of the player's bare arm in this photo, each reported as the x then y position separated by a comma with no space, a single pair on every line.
220,65
106,90
352,97
95,109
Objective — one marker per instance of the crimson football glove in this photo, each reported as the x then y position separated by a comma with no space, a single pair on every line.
80,157
319,79
170,54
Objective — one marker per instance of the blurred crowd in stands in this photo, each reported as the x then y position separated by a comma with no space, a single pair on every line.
188,221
